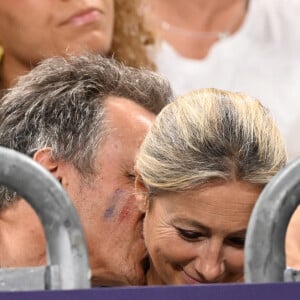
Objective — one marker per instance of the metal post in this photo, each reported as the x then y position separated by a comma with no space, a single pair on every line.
68,266
265,239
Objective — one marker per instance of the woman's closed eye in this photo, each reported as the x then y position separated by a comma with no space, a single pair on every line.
189,235
236,241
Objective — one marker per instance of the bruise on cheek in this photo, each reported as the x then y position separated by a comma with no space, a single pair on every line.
126,209
109,213
121,205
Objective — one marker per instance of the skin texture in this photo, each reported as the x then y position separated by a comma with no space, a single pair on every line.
197,236
292,239
31,30
105,203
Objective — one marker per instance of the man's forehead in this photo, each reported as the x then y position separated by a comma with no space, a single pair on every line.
121,103
125,110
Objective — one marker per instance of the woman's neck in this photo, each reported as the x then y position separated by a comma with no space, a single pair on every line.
193,26
10,70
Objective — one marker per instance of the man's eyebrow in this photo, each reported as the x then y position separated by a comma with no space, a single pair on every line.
127,166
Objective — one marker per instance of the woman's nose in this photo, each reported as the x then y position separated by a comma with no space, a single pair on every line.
210,265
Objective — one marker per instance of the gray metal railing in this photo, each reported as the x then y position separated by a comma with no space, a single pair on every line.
67,258
265,240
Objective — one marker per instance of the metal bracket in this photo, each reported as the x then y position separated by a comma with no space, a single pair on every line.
291,275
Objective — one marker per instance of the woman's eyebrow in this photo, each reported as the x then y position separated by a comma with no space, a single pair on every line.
189,222
241,232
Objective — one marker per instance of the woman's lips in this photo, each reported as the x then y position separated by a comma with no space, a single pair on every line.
83,17
189,279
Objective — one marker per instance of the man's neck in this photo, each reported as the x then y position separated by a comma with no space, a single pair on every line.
152,278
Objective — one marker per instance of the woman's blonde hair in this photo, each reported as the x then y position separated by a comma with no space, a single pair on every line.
131,35
210,135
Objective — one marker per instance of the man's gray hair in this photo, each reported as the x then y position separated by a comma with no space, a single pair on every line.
60,104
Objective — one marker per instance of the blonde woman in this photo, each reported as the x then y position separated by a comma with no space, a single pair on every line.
200,171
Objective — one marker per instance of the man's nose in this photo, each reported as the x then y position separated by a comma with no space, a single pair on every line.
210,264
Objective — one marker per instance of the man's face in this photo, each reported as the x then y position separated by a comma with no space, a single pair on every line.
107,205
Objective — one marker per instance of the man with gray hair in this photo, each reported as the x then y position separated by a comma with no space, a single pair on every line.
83,119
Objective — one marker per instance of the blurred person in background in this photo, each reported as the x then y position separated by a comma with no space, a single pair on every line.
250,46
32,30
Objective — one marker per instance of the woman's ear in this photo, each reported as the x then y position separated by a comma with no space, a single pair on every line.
141,193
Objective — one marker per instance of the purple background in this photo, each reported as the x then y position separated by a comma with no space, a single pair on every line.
225,292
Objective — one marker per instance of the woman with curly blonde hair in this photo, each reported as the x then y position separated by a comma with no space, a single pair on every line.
31,30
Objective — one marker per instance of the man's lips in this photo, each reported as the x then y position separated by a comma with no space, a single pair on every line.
83,17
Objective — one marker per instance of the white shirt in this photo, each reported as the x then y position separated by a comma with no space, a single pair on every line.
262,59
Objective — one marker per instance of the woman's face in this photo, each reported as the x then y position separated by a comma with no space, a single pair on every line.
197,236
31,30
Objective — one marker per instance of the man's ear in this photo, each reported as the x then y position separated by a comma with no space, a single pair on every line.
141,193
44,157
